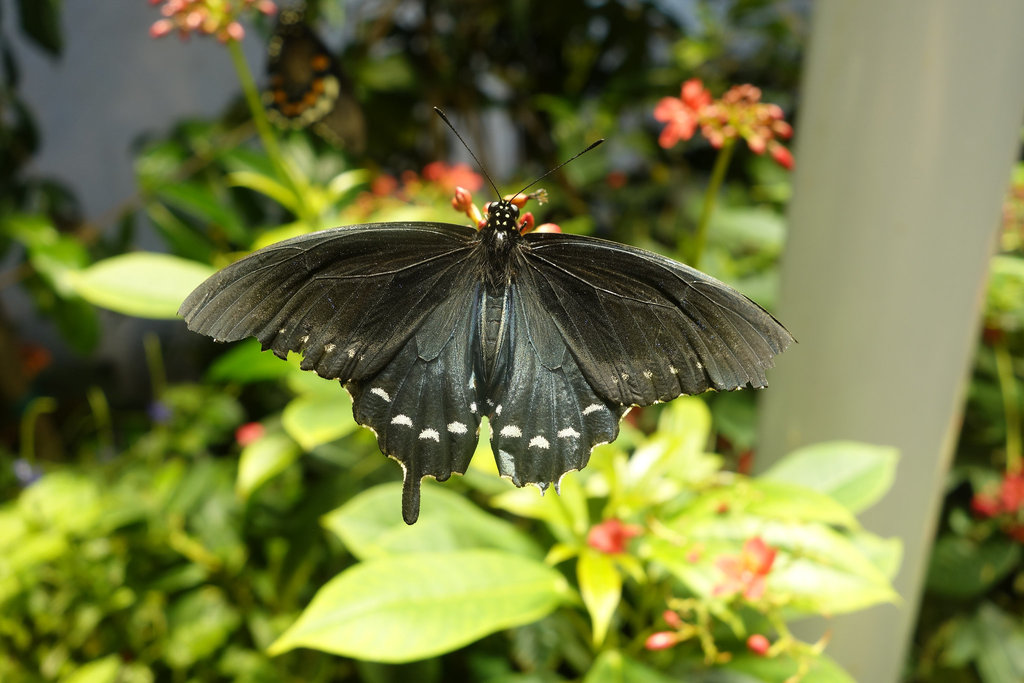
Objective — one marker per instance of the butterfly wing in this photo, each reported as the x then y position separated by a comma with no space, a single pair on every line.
545,418
348,298
422,404
644,328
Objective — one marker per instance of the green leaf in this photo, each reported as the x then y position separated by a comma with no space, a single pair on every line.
370,525
822,668
770,500
40,20
855,474
343,183
964,568
315,419
104,670
601,589
263,460
1001,645
142,284
201,202
407,607
199,623
246,363
612,666
267,185
565,511
64,501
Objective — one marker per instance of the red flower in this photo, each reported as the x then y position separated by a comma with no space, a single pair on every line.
249,432
984,505
758,644
739,113
746,572
682,114
1011,493
206,17
661,640
672,618
611,536
451,177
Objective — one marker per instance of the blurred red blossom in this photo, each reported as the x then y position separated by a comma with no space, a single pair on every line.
249,433
739,113
758,644
747,571
449,177
611,536
209,17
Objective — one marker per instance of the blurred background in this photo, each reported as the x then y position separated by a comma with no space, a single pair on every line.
173,509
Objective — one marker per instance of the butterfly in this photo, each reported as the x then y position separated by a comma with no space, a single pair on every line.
431,326
307,88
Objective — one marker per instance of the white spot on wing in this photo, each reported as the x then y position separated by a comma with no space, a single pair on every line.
377,391
511,430
699,366
592,408
401,420
568,433
282,331
457,428
539,442
497,411
472,407
304,338
352,353
674,370
329,348
430,434
648,374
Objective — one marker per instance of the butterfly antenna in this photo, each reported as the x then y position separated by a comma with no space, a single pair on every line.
572,158
464,144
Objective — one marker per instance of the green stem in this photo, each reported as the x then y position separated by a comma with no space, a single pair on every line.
266,133
1011,407
700,238
39,406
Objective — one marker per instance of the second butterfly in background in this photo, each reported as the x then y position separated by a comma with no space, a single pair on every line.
307,88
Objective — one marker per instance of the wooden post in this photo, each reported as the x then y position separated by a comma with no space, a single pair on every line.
910,122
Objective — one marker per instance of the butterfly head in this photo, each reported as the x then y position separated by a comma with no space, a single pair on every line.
503,216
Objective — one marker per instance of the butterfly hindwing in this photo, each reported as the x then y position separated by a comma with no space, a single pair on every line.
545,418
422,404
347,298
644,328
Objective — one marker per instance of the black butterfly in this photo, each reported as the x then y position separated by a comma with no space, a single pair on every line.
431,326
307,88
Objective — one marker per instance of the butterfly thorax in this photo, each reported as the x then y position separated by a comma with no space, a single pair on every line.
499,238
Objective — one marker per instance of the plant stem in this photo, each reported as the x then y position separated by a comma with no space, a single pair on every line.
38,407
700,238
1011,407
259,117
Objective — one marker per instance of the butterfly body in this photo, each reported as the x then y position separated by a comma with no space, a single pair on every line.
432,326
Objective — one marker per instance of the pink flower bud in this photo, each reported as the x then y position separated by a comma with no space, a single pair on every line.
672,619
161,28
249,432
758,644
783,157
662,640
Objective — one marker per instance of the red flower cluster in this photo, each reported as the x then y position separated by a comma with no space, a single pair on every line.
746,573
738,114
450,177
1008,501
249,433
611,536
210,17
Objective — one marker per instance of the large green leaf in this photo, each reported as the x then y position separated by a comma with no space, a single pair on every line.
612,666
963,568
264,459
601,590
855,474
201,202
407,607
245,363
370,525
316,419
142,284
